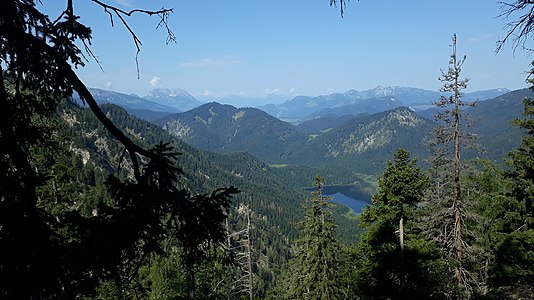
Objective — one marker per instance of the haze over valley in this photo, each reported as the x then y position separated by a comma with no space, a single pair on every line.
352,130
266,150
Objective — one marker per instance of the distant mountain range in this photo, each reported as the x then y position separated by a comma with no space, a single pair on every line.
129,101
360,143
160,102
343,130
176,98
353,102
156,105
246,101
363,106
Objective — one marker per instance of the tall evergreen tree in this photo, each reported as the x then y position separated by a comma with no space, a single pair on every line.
313,269
505,233
390,250
514,261
400,188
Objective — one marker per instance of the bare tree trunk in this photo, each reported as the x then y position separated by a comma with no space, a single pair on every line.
401,244
190,274
249,249
458,238
401,236
245,281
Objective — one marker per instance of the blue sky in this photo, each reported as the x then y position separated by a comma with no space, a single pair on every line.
299,47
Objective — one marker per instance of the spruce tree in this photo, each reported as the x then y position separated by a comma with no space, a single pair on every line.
313,269
505,233
388,253
514,254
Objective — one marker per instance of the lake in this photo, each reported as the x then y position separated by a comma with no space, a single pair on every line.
348,195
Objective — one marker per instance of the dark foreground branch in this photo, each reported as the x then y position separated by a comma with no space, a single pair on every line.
518,31
77,85
163,13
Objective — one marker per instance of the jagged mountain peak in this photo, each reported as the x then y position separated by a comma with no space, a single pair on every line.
177,98
166,92
130,102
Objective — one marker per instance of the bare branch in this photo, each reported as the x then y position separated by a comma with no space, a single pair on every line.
342,5
163,13
518,31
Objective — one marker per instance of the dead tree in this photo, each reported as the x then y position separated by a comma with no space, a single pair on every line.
448,196
240,243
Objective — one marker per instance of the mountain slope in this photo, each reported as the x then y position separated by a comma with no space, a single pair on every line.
358,144
224,128
275,195
363,106
364,143
492,122
322,124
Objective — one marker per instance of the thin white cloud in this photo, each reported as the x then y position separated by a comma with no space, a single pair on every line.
211,62
108,85
476,39
206,93
291,90
271,91
124,3
155,81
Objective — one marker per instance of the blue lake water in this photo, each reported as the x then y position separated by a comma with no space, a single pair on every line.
355,204
349,195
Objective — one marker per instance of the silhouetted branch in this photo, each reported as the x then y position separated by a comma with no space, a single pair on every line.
521,29
342,5
77,85
163,13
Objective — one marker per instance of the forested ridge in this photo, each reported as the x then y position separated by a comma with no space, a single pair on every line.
274,195
98,204
347,143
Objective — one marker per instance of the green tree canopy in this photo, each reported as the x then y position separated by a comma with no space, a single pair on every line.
313,270
393,260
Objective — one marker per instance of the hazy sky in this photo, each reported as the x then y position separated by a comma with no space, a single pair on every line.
298,47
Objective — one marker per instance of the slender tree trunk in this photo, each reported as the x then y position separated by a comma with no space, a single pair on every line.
249,249
458,238
401,244
190,274
401,237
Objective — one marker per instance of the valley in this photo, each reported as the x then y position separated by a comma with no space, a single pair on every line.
272,161
350,132
255,156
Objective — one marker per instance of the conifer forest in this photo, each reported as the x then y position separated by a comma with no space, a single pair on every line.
102,201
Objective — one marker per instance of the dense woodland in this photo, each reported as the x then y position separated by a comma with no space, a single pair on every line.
98,204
